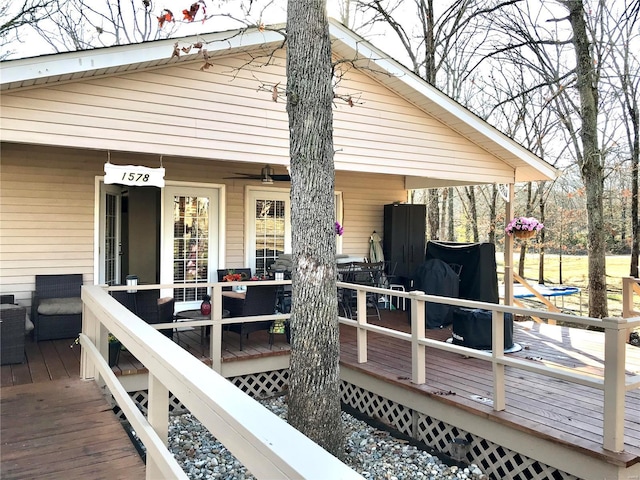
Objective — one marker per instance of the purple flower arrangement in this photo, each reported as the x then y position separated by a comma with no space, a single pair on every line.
523,224
339,229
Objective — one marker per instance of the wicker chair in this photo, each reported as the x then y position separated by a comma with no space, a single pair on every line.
56,307
12,319
258,300
148,305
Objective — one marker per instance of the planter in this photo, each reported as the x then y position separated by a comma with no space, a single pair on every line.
524,234
114,353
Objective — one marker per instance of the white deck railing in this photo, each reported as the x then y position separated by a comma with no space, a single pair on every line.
614,382
267,445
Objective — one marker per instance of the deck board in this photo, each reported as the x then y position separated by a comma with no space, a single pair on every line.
63,429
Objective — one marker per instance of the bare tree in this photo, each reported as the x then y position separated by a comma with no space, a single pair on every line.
443,39
15,16
314,385
626,65
568,61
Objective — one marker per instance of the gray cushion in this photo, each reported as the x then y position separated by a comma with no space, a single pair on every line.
60,306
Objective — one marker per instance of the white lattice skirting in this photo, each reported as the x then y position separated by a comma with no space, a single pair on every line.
498,462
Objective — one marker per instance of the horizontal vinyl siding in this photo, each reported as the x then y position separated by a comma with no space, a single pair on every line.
47,208
388,130
363,198
46,221
226,112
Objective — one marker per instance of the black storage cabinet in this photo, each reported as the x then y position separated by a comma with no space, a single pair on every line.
404,239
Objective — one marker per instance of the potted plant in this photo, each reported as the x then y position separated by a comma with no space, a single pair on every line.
114,350
523,227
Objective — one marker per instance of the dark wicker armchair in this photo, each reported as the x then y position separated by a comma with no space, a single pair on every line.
148,305
258,300
56,306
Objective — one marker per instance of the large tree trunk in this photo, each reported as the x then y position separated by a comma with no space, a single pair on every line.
314,388
591,165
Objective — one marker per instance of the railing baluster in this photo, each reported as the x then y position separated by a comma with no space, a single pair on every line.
497,351
158,417
215,339
418,351
361,334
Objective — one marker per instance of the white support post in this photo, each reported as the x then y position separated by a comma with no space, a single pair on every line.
158,417
215,339
508,251
497,352
361,335
418,355
614,383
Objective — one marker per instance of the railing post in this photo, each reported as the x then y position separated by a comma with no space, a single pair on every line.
627,301
497,352
627,296
158,418
361,318
215,339
614,383
418,358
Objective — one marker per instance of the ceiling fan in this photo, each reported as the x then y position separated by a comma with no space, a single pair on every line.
266,176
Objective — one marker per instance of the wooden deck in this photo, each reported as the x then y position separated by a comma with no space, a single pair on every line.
63,429
567,414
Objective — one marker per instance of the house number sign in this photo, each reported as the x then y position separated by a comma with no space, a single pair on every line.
133,175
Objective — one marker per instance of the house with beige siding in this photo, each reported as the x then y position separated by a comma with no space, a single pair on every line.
64,116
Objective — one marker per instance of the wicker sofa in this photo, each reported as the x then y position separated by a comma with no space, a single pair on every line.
56,306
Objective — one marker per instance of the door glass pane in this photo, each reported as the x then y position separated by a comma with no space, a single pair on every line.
111,239
190,245
270,232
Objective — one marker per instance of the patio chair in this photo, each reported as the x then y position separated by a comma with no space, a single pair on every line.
362,273
56,306
148,305
258,300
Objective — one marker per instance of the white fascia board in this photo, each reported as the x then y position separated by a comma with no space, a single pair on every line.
68,63
394,69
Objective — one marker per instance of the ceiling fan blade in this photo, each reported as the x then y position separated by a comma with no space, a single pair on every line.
246,176
281,178
251,176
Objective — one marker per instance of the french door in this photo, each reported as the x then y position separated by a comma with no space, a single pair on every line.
190,240
110,235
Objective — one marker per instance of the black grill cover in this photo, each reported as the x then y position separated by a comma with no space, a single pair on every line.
478,274
435,277
472,328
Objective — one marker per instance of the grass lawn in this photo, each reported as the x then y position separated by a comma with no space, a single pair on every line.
574,273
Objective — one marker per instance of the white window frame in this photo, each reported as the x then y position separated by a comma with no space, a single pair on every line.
251,193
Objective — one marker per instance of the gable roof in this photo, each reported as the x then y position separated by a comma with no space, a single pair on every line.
107,61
